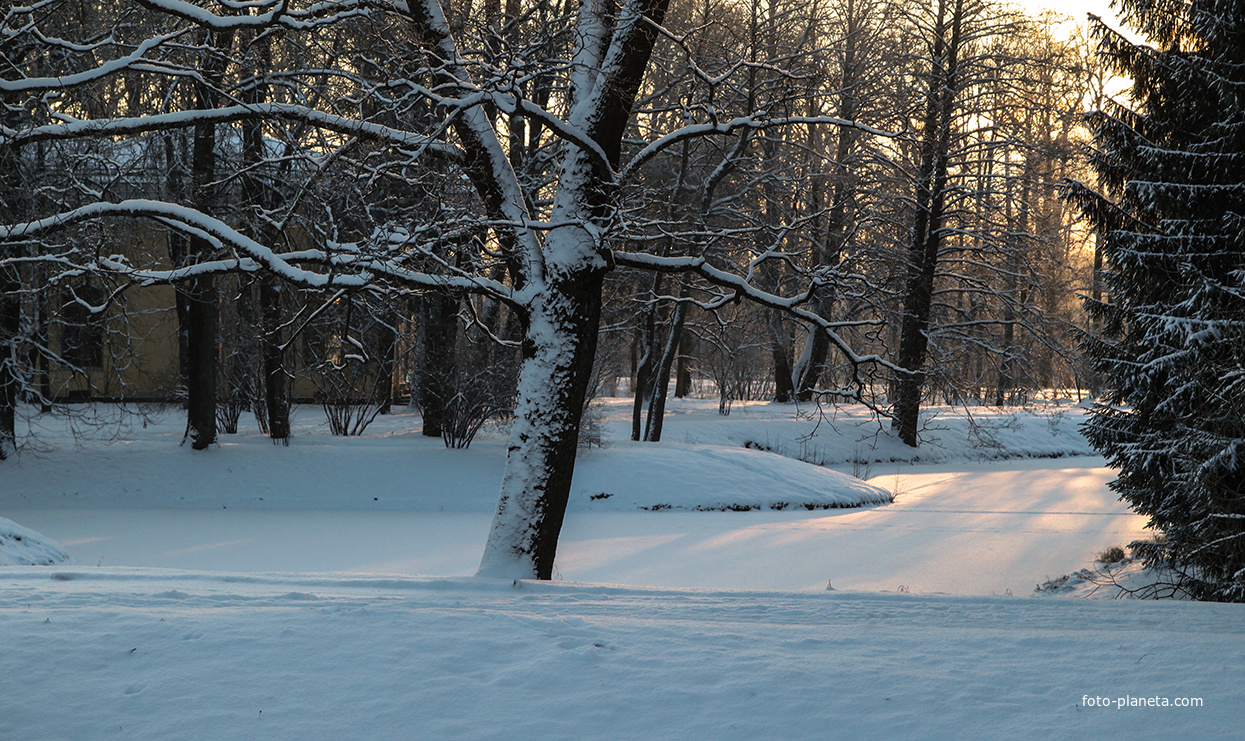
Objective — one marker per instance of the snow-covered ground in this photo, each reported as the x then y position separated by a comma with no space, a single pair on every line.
988,528
20,546
95,653
838,436
323,591
981,522
395,468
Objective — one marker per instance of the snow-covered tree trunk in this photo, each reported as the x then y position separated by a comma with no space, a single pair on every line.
564,276
558,348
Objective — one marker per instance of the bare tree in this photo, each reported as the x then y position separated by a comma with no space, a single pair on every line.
553,242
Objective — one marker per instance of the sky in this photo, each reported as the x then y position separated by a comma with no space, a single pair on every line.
1078,10
1074,8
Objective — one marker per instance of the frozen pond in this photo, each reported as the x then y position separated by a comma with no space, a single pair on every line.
968,528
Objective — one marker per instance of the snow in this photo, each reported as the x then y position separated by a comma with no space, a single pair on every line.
397,502
20,546
409,472
989,529
846,434
710,477
155,654
323,591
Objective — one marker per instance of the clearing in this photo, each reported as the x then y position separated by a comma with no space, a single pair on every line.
323,590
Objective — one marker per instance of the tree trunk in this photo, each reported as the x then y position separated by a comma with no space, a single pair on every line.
914,338
1005,383
683,367
200,298
276,386
780,350
661,377
39,361
927,224
10,281
201,290
832,243
201,358
558,351
1006,379
38,354
260,180
833,237
438,335
386,361
178,247
644,370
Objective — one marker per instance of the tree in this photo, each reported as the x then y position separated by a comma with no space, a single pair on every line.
1170,223
12,207
859,64
550,230
997,327
955,32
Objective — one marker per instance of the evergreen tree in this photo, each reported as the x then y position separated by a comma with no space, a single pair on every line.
1171,345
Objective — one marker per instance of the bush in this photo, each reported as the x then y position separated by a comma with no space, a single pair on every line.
1114,554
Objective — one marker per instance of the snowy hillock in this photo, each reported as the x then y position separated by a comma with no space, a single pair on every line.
710,477
21,546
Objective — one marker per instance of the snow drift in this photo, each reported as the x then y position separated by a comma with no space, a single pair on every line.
657,477
21,546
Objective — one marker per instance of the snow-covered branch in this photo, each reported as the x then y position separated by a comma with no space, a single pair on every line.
229,114
351,269
106,69
489,169
274,13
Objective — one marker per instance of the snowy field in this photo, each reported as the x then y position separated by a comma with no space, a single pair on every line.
323,591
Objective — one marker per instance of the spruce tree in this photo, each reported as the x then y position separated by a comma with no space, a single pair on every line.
1170,336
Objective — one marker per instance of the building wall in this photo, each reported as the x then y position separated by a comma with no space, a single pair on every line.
141,355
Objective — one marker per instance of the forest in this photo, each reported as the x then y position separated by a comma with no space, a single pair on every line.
621,369
501,211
